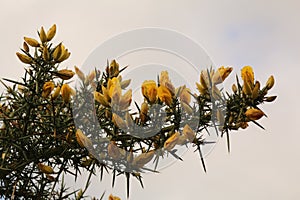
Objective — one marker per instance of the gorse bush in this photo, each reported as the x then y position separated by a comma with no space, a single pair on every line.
50,129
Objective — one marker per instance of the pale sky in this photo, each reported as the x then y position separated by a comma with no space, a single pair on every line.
263,34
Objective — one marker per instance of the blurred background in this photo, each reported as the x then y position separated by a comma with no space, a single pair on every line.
263,164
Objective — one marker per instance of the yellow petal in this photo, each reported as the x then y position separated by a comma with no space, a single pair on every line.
51,32
254,114
171,141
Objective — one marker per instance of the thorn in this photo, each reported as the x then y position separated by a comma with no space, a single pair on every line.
228,142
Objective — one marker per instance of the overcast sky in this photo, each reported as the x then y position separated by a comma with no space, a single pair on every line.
263,34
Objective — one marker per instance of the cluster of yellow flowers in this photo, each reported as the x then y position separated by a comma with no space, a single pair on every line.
131,139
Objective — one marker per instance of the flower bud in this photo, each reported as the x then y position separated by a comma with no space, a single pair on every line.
185,95
187,108
66,92
234,88
188,133
256,89
119,122
201,89
125,100
47,89
46,54
254,114
144,112
82,140
51,32
32,42
270,82
57,52
45,168
24,58
143,159
171,141
43,36
114,151
79,73
125,83
65,74
270,99
26,47
101,99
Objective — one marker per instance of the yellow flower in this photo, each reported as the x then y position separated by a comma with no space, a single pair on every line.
47,89
45,168
164,95
101,99
171,141
66,92
254,114
248,75
188,133
111,197
114,90
220,75
143,159
149,90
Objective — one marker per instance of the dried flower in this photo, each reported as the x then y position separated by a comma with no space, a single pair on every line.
221,74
